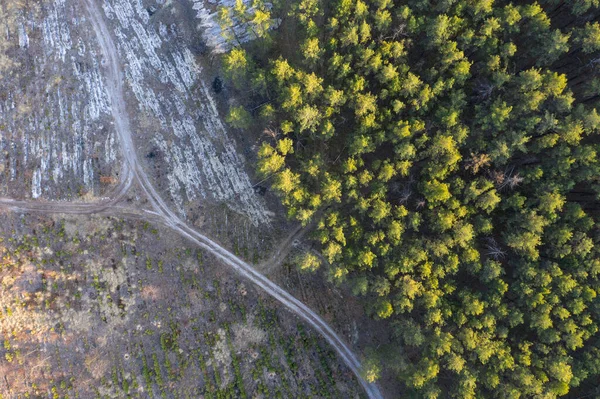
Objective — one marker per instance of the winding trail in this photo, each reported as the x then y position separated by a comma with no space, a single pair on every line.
283,249
133,170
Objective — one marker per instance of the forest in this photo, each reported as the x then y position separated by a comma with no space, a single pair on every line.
446,152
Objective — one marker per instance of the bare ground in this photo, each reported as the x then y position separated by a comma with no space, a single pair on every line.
80,316
56,136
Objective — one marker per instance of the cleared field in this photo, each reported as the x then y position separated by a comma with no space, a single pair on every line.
151,317
188,151
56,136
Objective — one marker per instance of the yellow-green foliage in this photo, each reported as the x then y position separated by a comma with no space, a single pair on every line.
449,150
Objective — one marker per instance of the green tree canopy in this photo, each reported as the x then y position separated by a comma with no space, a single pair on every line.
448,152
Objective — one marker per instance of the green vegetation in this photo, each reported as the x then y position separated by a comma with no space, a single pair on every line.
448,151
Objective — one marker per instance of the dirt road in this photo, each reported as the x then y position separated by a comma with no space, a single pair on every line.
161,212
